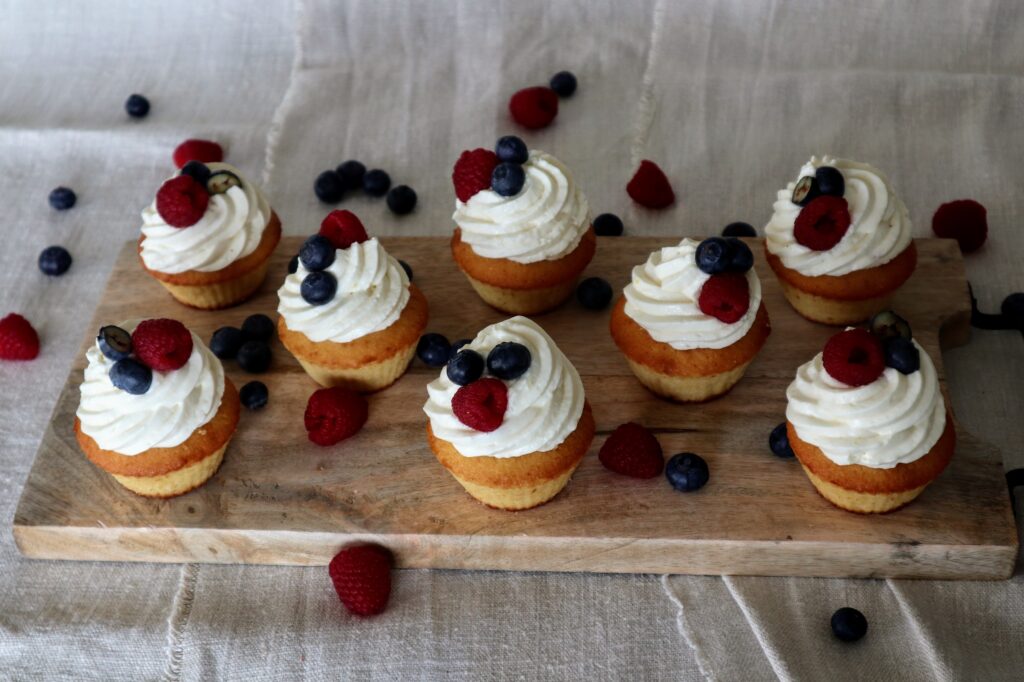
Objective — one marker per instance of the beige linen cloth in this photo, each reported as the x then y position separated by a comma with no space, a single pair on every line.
729,97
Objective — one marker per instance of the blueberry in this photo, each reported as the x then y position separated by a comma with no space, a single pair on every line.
466,367
512,149
607,225
739,230
293,265
1013,311
402,199
317,253
742,256
806,191
221,181
433,350
137,106
258,327
114,342
830,181
902,355
351,173
849,624
131,376
687,472
457,345
318,287
778,441
329,187
714,255
594,293
507,179
563,83
887,325
254,395
225,342
376,182
254,357
198,171
54,261
62,198
407,268
508,360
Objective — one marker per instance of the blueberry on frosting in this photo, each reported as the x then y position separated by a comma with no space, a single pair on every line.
131,376
318,287
507,179
317,253
114,342
830,181
806,190
508,360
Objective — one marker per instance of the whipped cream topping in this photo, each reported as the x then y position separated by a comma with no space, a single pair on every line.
230,229
544,404
545,221
880,227
176,404
895,419
372,292
663,299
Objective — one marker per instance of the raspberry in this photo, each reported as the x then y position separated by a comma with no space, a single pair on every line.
343,229
649,186
632,450
182,201
18,340
481,405
334,414
534,107
362,578
472,172
964,220
162,344
854,357
822,223
204,151
725,297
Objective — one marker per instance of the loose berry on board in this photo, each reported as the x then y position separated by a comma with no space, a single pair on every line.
329,187
632,450
778,442
534,108
849,624
964,220
361,575
433,350
564,84
18,339
62,198
376,182
594,293
334,414
401,199
137,106
258,327
225,342
608,225
351,173
254,395
254,357
650,187
687,472
54,261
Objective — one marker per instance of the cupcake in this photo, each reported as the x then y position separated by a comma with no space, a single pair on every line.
348,313
508,417
523,233
156,410
691,319
208,236
840,241
867,420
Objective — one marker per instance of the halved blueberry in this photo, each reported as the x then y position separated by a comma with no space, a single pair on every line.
466,367
131,376
512,149
830,181
806,191
221,181
317,253
887,325
114,342
508,360
318,287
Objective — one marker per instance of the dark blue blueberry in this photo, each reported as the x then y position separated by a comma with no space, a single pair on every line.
114,342
433,350
351,173
254,357
137,106
902,355
466,367
258,327
254,395
457,345
225,342
742,256
1013,311
329,187
318,287
512,149
739,230
563,83
714,255
806,191
317,253
376,182
508,360
62,198
887,325
607,225
131,376
594,293
402,199
197,170
507,179
849,624
830,181
407,268
687,472
293,265
54,261
778,441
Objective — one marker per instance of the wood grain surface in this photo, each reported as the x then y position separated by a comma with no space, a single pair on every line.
279,499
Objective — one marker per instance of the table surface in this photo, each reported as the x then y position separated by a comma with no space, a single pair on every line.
730,98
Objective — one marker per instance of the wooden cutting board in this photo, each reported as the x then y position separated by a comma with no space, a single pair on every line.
279,499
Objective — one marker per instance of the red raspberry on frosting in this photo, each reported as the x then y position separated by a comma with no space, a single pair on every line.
162,344
649,186
18,340
725,297
472,172
343,229
534,107
964,220
204,151
481,405
632,450
854,357
362,578
334,414
182,201
822,223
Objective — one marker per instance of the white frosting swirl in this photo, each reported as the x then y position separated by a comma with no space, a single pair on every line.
544,404
663,299
880,227
373,290
545,221
177,402
230,229
895,419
